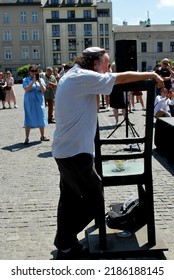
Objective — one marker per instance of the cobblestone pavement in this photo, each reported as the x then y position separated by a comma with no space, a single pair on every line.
29,187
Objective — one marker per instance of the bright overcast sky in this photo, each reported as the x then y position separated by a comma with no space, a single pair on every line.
132,11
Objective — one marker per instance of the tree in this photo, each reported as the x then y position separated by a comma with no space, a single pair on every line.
23,70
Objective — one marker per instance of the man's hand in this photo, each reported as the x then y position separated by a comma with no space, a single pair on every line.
159,81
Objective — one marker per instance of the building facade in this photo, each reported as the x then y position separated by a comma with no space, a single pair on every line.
70,26
53,32
154,42
21,34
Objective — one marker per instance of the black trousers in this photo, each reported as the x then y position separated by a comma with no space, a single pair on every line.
81,197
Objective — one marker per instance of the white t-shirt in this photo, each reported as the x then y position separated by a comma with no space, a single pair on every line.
161,103
76,110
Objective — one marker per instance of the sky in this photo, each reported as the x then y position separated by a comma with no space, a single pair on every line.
132,11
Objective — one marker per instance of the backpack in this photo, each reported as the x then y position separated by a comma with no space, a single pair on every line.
126,216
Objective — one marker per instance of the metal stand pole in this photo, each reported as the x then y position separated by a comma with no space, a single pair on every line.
128,124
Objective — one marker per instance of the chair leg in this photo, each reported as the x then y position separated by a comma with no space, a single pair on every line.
101,225
102,228
150,213
142,195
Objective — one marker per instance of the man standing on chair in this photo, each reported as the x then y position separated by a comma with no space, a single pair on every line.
81,193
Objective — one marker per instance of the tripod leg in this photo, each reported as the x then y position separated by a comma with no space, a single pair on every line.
134,132
117,126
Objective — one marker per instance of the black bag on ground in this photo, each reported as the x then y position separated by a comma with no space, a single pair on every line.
126,216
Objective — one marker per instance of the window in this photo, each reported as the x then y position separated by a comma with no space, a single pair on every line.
144,47
87,29
72,44
56,58
23,17
101,30
7,54
24,35
56,44
25,54
102,43
87,1
6,36
54,14
35,54
5,18
144,66
53,2
71,30
35,35
87,14
171,46
71,14
88,42
107,43
34,17
72,56
107,29
55,30
103,13
159,47
70,1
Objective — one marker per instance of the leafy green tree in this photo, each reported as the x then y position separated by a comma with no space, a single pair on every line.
23,70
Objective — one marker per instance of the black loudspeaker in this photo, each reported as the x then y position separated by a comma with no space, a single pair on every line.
126,55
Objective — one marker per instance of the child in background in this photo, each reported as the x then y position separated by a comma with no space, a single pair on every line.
162,102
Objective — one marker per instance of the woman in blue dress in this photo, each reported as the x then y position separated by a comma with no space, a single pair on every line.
34,104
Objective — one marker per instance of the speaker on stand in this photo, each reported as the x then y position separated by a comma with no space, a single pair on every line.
126,60
126,55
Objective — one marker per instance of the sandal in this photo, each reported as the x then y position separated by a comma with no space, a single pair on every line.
26,141
43,138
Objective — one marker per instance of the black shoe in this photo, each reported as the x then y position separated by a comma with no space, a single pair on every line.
73,254
43,138
26,142
51,121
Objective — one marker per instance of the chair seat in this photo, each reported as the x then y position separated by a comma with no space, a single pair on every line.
131,167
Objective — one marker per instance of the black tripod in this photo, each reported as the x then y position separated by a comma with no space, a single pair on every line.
128,124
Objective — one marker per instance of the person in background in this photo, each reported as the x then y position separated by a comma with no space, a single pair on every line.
166,73
156,69
10,92
162,102
81,194
117,101
139,95
172,89
66,68
172,78
2,89
51,83
107,98
56,74
62,71
34,104
41,72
